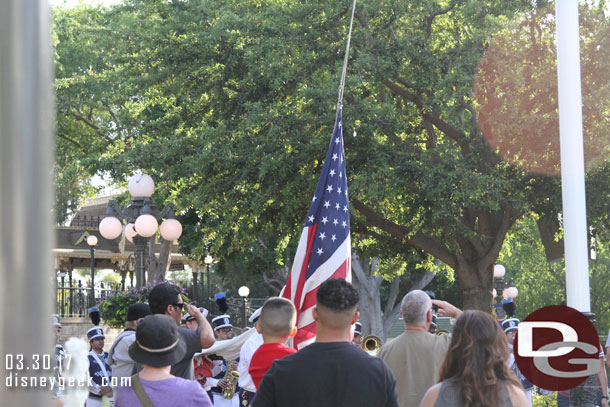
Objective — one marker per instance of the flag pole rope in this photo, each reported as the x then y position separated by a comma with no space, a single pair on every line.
344,71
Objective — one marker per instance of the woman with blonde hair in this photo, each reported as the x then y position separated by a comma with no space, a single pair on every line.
474,372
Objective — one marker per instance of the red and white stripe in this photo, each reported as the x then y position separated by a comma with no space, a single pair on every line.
302,291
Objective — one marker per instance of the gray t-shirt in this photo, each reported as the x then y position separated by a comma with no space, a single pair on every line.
450,394
184,368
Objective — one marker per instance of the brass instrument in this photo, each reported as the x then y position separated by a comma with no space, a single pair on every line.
231,376
371,344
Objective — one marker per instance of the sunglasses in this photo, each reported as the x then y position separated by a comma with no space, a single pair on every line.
179,305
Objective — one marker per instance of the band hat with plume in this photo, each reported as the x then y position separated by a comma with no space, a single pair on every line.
95,333
509,325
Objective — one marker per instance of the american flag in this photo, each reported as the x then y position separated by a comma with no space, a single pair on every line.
324,249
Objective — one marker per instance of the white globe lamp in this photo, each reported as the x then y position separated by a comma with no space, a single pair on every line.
511,292
130,232
92,240
171,229
243,291
141,186
499,271
146,225
110,228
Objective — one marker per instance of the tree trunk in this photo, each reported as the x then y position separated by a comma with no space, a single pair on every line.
476,284
158,267
375,320
368,285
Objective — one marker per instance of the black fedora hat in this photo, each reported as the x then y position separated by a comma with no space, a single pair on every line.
158,342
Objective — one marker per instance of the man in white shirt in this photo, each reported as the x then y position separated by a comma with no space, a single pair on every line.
246,384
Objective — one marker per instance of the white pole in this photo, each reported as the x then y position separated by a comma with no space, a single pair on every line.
572,156
26,197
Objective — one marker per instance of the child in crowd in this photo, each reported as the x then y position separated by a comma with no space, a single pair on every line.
277,324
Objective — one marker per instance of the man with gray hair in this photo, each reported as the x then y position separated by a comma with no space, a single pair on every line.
415,356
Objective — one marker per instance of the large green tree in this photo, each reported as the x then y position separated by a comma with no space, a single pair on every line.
230,106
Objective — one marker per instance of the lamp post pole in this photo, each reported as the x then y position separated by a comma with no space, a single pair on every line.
208,260
92,241
143,220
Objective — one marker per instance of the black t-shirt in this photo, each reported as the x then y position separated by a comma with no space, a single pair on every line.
332,374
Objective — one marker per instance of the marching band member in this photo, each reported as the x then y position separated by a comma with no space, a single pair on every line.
60,355
223,331
357,334
510,327
246,384
99,370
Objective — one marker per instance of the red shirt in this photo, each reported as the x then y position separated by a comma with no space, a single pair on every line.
263,357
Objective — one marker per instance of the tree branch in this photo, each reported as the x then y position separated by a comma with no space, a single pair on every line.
402,234
507,220
432,117
432,16
76,143
91,125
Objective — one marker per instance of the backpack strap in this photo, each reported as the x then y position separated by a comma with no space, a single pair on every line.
137,387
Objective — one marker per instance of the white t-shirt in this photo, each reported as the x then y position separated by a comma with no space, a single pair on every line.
245,355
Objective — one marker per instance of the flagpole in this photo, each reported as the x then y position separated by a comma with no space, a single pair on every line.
344,71
572,156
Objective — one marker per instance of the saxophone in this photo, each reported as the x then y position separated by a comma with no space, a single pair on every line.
231,376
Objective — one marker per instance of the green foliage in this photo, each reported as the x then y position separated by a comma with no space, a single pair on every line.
229,106
114,306
544,401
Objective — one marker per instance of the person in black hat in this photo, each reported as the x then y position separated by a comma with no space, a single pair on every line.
118,356
166,298
99,370
157,347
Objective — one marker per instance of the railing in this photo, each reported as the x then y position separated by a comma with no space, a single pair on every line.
86,222
75,300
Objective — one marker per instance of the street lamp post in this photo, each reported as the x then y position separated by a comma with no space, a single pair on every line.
92,242
142,221
503,291
208,260
244,292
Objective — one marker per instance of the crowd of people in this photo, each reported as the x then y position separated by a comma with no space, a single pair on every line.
161,351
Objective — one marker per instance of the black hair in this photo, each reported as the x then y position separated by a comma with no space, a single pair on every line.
337,295
161,296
